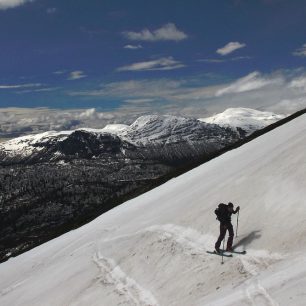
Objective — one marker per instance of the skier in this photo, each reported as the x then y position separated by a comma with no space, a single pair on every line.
224,213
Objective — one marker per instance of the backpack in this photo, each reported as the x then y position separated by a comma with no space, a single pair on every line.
221,212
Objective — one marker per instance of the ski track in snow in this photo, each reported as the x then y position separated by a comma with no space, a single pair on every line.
112,274
258,295
12,287
254,291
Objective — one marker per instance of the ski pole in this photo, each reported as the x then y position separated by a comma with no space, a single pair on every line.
237,224
222,261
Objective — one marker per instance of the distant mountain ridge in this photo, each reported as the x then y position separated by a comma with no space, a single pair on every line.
146,131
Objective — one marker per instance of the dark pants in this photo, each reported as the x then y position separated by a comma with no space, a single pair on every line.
223,228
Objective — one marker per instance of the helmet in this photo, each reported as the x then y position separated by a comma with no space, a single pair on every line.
230,204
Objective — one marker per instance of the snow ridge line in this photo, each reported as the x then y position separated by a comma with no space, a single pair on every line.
112,274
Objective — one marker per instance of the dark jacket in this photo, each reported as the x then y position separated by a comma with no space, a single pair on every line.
223,214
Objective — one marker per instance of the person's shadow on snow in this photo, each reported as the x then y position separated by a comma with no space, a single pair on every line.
247,240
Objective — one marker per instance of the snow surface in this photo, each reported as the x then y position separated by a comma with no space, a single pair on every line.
245,118
115,128
152,250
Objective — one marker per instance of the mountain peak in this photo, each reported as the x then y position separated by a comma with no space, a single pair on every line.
245,118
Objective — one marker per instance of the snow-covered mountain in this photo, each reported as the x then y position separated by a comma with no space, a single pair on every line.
249,120
146,131
162,130
152,250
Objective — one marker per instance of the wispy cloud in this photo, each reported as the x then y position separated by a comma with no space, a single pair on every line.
76,75
45,89
165,63
7,4
168,31
222,60
211,60
60,72
136,89
18,86
133,47
299,83
230,47
187,97
250,82
301,51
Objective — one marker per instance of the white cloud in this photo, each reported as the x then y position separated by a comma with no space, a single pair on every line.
90,113
190,97
145,90
167,32
299,83
21,121
301,51
133,47
250,82
75,75
230,47
18,86
44,89
165,63
6,4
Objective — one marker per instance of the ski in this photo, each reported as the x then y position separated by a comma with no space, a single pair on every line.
219,254
235,252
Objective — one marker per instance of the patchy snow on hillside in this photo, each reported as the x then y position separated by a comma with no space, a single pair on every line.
247,119
25,144
152,250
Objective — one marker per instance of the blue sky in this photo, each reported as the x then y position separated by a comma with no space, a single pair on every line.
141,56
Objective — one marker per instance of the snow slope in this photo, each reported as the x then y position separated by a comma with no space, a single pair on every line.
247,119
152,250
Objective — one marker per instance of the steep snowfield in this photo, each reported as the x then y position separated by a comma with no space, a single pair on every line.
244,118
152,250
